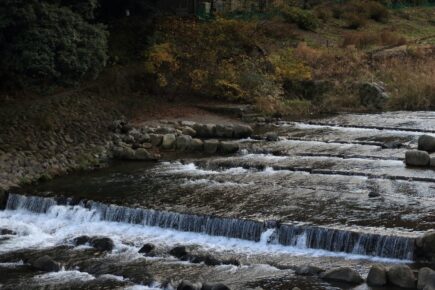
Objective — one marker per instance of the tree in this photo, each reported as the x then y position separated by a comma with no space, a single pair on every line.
48,43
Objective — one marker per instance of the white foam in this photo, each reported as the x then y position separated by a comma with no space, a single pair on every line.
63,276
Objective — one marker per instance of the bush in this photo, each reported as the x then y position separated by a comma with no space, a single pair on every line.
45,43
303,18
364,39
355,21
377,12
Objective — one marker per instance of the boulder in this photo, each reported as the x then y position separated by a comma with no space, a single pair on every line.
343,274
81,240
123,153
168,141
432,160
190,124
214,286
4,232
187,285
377,276
426,277
242,131
426,246
188,131
127,139
156,139
196,145
206,259
45,263
180,252
224,131
401,276
147,248
143,154
102,244
426,143
271,136
417,158
228,147
183,142
373,95
205,130
3,199
308,270
211,146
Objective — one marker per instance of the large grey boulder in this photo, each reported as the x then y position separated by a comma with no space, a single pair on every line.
156,139
196,145
102,244
417,158
168,141
183,142
224,131
426,246
377,276
187,285
214,286
373,95
188,131
143,155
426,143
123,153
205,130
45,263
426,278
343,274
401,276
228,147
242,131
211,146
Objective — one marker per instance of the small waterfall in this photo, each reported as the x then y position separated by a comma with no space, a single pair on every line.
269,232
336,240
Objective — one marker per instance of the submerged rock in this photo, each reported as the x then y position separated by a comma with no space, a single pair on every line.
45,263
401,276
147,248
81,240
426,278
214,286
308,270
187,285
271,136
102,244
426,143
417,158
228,147
4,232
377,276
180,252
343,274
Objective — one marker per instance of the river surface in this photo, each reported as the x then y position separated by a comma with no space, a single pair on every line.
330,192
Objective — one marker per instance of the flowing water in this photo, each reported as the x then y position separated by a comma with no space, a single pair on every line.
302,200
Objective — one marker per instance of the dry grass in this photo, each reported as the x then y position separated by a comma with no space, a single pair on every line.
365,39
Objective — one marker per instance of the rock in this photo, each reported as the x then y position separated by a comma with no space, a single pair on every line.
426,143
4,232
123,153
183,142
377,276
272,136
180,252
426,246
373,95
190,124
228,147
147,248
188,131
214,286
343,274
392,145
224,131
156,139
45,263
165,130
187,285
81,240
196,145
102,244
426,277
205,130
417,158
401,276
308,270
211,146
143,154
207,259
168,141
296,288
3,199
242,131
374,193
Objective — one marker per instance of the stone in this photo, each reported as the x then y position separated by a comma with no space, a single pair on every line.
426,143
196,145
296,288
188,131
373,95
401,276
206,259
308,270
343,274
377,276
271,136
3,199
125,128
224,131
147,248
417,158
46,264
187,285
81,240
214,286
165,130
4,232
168,141
374,193
123,153
211,146
143,154
179,252
102,244
242,131
190,124
156,139
205,130
228,147
426,247
183,142
426,277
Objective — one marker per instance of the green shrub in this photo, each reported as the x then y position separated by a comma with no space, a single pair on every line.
305,19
